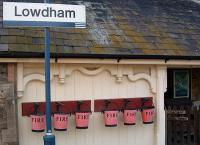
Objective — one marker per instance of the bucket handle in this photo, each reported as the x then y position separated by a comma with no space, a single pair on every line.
143,101
126,101
36,107
106,104
79,103
58,106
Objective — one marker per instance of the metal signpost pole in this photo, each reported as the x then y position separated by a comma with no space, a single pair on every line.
73,16
49,138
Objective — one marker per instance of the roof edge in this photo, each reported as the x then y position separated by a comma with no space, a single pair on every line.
94,56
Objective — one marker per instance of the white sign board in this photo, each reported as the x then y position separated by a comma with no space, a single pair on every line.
43,15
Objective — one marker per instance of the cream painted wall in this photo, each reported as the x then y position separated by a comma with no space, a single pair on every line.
83,82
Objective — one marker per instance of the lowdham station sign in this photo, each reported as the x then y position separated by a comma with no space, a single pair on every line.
43,15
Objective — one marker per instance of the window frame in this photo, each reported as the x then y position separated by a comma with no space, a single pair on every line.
188,84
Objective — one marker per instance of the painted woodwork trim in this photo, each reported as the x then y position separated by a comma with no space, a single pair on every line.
62,71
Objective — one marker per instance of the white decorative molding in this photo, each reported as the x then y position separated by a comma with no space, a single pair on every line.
33,77
22,80
65,70
85,71
114,70
160,111
62,73
146,77
165,82
119,75
153,71
20,73
153,79
92,72
20,94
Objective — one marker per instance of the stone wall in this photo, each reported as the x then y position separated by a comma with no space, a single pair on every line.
3,73
8,121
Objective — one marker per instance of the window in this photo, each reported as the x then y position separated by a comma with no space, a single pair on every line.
181,84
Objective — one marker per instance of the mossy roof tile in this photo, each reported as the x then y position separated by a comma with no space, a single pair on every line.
139,27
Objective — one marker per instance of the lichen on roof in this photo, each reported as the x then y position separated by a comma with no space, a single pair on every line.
131,27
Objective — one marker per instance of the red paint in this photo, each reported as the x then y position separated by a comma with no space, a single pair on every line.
148,115
118,103
110,118
60,121
82,120
67,107
129,117
37,123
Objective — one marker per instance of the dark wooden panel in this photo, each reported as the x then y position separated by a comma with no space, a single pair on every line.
65,107
182,125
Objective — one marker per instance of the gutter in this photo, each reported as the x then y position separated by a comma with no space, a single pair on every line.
95,56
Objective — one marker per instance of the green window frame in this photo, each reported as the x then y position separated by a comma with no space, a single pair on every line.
181,84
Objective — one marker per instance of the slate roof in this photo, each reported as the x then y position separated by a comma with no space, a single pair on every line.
117,27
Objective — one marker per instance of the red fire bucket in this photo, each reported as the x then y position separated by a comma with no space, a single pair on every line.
147,114
110,118
60,121
130,117
38,122
82,120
